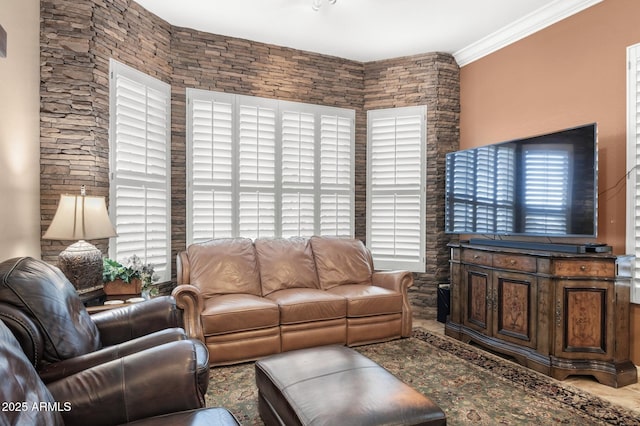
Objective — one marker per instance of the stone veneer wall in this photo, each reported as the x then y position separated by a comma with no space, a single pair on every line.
433,80
213,62
79,37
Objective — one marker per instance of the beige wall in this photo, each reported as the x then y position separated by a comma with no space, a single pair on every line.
571,73
20,130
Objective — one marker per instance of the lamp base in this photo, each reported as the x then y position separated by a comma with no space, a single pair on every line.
81,263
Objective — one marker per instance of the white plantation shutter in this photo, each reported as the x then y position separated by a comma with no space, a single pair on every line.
396,187
336,175
298,215
298,173
212,214
633,165
211,149
140,167
255,168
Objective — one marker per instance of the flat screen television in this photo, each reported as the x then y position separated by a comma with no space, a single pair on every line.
544,185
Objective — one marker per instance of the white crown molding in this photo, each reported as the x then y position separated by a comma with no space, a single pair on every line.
533,22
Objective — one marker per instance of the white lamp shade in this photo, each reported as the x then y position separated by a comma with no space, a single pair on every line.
80,217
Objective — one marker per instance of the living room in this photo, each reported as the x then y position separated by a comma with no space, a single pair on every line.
55,133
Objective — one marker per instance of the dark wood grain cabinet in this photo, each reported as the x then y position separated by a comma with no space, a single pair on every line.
560,314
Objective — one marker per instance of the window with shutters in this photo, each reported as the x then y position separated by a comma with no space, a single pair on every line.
140,140
396,161
633,165
267,168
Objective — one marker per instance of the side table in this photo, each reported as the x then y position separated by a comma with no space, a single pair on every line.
105,306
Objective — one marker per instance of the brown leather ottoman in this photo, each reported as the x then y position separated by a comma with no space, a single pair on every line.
335,385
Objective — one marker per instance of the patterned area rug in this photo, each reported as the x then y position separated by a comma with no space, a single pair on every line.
471,386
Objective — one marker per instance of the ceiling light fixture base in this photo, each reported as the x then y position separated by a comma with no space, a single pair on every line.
317,4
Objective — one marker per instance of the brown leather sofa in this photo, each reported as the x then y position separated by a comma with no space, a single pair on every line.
42,309
157,388
248,299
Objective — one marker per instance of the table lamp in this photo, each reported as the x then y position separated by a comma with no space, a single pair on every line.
81,217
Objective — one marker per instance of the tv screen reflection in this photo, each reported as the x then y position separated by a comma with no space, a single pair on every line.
545,185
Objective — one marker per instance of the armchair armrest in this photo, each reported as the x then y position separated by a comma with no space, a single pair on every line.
156,381
25,330
183,269
59,370
189,299
399,281
126,323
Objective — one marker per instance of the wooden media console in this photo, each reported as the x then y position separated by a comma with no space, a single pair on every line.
558,313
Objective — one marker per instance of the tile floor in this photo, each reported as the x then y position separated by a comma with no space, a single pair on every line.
627,396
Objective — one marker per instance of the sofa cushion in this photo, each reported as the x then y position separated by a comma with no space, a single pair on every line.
366,300
224,266
46,296
238,312
341,261
300,305
285,263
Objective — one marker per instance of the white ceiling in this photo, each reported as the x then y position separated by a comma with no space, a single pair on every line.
368,30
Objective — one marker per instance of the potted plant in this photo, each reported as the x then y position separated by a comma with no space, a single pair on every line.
146,273
133,277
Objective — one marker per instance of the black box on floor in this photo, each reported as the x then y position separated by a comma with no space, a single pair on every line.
444,297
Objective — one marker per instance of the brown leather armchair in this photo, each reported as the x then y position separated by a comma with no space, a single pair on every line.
42,309
160,381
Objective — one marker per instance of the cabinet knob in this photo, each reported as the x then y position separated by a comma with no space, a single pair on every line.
476,256
513,261
583,268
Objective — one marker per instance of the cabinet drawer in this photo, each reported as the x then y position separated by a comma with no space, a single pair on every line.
477,257
518,263
585,268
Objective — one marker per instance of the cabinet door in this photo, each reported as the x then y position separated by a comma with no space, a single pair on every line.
583,328
477,304
515,304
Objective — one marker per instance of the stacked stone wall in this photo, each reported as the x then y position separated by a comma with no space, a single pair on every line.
78,38
213,62
433,80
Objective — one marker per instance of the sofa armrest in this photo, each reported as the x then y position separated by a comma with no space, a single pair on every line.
156,381
56,371
393,280
399,281
189,299
25,330
129,322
